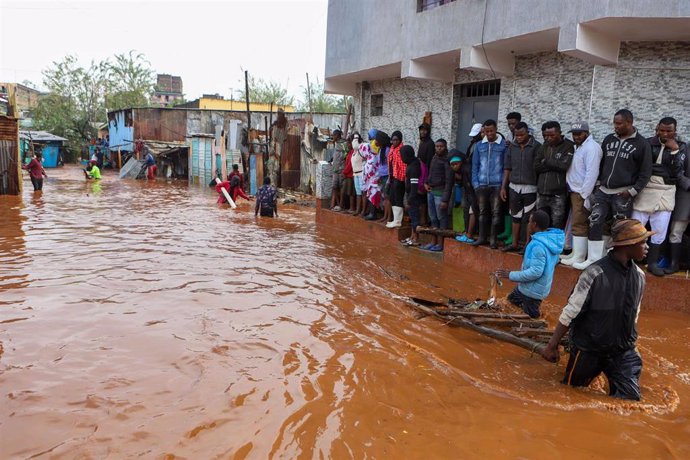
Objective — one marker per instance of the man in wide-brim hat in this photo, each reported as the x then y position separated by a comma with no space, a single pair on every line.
601,316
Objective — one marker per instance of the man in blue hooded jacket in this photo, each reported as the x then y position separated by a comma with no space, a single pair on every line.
541,257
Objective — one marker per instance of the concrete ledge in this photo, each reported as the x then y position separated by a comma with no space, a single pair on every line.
670,293
356,225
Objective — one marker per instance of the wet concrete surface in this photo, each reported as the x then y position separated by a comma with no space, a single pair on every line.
142,320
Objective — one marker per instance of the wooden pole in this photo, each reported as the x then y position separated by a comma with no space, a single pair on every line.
246,96
245,166
531,345
346,128
311,112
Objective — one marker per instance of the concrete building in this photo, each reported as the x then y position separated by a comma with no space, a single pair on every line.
26,99
218,102
468,60
168,90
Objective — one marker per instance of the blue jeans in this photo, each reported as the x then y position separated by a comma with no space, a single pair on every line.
437,216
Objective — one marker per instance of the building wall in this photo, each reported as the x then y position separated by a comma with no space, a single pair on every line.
652,80
404,105
121,135
224,104
462,24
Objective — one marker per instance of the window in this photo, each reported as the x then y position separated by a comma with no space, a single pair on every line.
376,105
485,88
425,5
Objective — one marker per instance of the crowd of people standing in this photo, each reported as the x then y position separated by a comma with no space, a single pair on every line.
583,186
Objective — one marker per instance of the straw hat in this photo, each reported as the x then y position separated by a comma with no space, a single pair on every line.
627,232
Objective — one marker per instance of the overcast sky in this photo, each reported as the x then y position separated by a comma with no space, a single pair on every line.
207,43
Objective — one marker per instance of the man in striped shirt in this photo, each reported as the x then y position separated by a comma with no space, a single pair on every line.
601,316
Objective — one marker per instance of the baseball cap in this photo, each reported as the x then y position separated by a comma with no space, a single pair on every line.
579,126
476,128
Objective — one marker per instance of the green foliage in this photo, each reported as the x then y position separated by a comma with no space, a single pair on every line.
322,102
266,91
131,81
79,98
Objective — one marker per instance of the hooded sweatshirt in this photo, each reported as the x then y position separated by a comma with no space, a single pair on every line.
427,148
626,164
539,263
413,172
440,177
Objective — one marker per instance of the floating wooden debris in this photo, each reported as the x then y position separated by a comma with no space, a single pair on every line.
438,232
488,319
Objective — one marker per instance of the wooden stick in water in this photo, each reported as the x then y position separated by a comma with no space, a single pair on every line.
528,344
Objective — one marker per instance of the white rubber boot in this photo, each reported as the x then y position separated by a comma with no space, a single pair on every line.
595,251
579,253
397,217
605,249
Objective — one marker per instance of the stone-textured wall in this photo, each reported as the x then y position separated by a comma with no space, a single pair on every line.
652,79
546,86
404,105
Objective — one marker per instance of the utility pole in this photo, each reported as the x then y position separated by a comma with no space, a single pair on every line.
311,112
246,96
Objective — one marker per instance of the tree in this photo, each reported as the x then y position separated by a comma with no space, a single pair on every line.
79,97
322,102
266,91
131,81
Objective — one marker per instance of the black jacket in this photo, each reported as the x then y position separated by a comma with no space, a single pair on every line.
626,163
441,176
520,162
609,296
671,166
551,164
426,150
413,171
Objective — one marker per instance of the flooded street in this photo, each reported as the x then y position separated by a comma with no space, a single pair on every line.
142,320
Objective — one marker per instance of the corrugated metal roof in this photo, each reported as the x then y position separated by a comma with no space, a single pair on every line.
40,136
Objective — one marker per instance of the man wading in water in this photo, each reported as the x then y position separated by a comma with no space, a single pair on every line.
602,316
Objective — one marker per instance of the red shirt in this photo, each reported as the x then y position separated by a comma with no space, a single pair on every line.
238,174
35,169
237,192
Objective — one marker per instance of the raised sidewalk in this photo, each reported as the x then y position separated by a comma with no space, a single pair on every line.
669,293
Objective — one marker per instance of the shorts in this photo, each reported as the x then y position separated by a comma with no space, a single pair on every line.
521,205
622,371
528,304
469,201
348,185
358,183
337,181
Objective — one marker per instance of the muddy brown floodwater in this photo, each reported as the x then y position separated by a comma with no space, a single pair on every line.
141,320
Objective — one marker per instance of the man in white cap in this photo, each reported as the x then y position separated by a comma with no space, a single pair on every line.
581,179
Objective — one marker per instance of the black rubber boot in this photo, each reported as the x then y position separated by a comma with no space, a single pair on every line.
492,238
653,259
481,241
675,259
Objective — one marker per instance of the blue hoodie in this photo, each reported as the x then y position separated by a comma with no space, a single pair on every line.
539,263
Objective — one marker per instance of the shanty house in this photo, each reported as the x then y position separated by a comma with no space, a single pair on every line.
41,141
10,166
